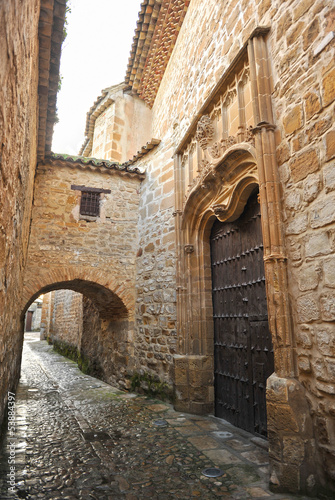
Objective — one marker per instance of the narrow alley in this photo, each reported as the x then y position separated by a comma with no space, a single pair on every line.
77,437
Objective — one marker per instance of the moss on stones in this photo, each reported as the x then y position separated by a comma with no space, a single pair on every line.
151,385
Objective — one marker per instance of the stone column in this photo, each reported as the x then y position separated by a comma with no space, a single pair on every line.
290,433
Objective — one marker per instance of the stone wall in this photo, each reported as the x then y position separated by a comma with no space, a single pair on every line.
301,52
104,349
45,316
100,345
67,317
155,327
304,96
18,126
122,128
36,310
93,256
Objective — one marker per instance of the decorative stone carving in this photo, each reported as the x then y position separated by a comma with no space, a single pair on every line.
216,150
230,141
189,248
205,131
177,212
249,136
204,165
219,210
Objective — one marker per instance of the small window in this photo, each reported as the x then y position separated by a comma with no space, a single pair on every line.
90,200
90,204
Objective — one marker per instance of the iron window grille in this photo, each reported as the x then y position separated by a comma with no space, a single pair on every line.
90,204
90,200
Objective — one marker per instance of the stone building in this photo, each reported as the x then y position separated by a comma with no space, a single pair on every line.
33,316
208,258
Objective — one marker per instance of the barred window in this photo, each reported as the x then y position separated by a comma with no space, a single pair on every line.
90,200
90,204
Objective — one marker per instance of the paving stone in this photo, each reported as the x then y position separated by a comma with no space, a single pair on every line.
133,459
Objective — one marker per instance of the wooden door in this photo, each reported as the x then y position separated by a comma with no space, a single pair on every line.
243,345
29,321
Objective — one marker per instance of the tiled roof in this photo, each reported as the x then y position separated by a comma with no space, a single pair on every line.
143,151
93,163
50,36
155,37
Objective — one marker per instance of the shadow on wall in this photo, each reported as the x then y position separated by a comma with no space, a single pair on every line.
89,324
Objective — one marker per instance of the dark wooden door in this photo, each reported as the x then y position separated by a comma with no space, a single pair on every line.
243,346
29,320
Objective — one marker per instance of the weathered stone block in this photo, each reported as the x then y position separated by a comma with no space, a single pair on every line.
322,212
330,367
275,445
322,430
276,389
293,450
319,368
298,225
293,120
281,418
317,244
294,33
304,337
309,277
283,153
304,164
312,104
327,388
302,7
329,177
327,302
325,339
307,309
329,272
293,200
311,187
310,34
317,129
330,144
304,364
328,87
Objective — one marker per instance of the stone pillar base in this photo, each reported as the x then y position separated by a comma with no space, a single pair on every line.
194,384
293,458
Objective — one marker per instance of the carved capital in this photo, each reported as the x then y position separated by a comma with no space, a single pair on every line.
275,257
263,125
205,131
177,212
189,248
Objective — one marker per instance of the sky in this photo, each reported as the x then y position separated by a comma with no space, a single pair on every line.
95,55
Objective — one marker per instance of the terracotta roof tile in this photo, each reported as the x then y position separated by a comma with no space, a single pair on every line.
155,37
93,163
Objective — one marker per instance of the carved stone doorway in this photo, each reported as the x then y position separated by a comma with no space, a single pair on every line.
243,352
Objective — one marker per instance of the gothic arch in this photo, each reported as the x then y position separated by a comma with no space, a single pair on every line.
231,182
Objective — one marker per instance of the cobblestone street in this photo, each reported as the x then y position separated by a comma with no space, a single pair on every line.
77,437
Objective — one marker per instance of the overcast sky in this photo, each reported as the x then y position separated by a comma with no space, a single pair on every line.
94,56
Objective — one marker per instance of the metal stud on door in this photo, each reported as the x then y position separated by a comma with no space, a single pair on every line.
243,346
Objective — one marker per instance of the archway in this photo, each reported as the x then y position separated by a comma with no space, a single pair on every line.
228,186
103,342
